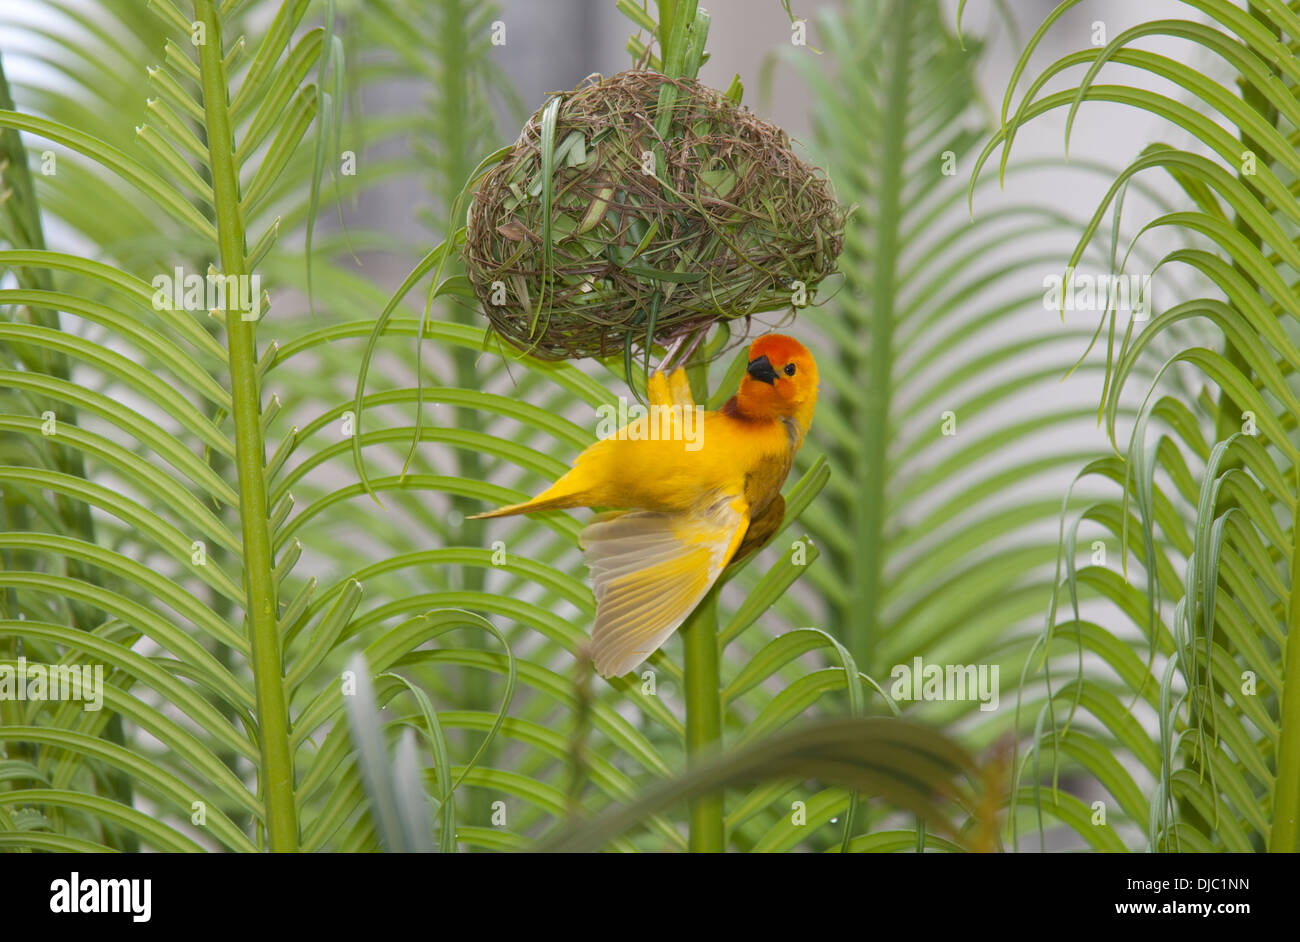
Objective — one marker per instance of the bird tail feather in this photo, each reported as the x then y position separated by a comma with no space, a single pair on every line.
528,507
559,496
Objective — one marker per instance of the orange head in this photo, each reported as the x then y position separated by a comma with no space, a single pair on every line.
780,381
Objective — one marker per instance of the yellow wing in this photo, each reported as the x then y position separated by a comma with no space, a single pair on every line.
649,571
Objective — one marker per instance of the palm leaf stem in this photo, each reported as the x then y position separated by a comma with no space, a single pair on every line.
277,785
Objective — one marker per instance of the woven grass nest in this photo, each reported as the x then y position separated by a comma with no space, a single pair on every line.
725,224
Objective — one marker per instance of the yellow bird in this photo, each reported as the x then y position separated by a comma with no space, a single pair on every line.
699,491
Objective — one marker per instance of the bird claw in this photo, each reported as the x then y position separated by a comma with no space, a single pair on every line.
671,354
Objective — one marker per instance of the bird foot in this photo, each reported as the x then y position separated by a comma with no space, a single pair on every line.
679,353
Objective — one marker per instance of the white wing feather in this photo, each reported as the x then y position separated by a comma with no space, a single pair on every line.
649,571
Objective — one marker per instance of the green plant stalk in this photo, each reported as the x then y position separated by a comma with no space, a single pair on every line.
680,52
703,718
667,14
1285,834
869,511
277,783
457,141
700,630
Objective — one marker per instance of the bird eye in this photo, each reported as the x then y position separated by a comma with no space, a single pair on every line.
789,369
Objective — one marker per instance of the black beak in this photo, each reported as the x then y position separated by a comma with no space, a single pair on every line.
761,370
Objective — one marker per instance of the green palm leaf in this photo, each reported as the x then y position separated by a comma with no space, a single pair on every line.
1202,490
